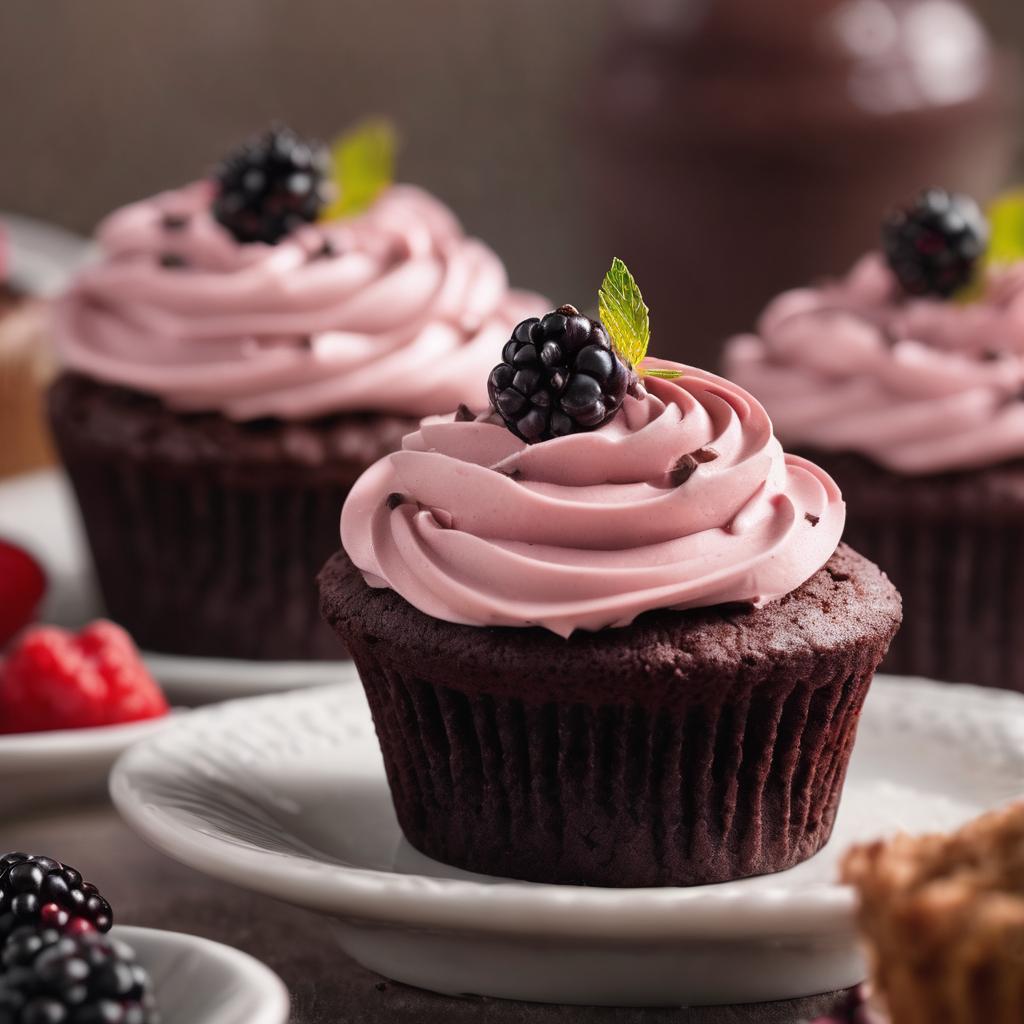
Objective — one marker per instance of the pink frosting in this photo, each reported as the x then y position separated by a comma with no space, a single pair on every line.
471,525
917,385
401,312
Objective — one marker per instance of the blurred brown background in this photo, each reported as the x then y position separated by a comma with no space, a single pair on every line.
112,99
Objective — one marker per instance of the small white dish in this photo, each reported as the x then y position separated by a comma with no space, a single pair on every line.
43,256
38,511
287,795
197,981
196,681
45,768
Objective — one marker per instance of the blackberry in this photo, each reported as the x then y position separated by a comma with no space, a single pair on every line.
934,244
558,375
271,185
50,978
31,887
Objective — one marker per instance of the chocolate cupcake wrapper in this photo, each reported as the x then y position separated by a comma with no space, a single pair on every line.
963,594
199,563
618,795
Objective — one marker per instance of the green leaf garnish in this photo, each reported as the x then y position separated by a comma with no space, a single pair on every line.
624,313
1006,228
622,310
364,165
1005,216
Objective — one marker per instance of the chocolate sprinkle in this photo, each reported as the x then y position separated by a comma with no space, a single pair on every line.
174,221
464,414
687,464
394,499
173,260
326,250
812,518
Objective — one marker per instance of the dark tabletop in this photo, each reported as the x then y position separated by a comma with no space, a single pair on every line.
149,889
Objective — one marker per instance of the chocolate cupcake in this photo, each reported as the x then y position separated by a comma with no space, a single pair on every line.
233,363
904,381
626,654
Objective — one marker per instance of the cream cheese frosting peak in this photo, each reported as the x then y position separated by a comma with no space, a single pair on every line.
684,499
395,310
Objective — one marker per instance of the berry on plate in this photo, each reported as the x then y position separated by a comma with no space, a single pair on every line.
54,977
40,891
22,585
53,679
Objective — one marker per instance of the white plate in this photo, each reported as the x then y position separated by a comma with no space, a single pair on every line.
197,981
38,511
45,768
195,681
287,795
43,256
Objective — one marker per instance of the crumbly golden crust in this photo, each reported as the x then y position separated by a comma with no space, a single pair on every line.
943,917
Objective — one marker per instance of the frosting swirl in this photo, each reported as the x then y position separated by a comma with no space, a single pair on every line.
684,499
394,310
917,385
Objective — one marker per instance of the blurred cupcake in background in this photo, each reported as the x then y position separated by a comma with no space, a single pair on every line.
905,381
245,347
26,365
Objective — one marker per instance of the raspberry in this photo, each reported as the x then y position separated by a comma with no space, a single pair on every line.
934,245
22,585
53,679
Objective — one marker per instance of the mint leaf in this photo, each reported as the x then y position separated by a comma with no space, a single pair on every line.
1005,216
622,310
1006,228
364,165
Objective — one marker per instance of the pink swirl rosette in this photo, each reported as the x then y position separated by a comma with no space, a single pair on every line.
917,385
684,499
394,310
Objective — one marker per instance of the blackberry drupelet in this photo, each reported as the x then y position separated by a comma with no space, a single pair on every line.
50,978
934,244
558,375
271,185
31,886
25,943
